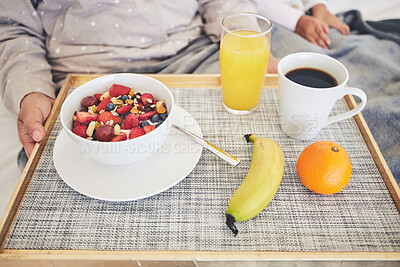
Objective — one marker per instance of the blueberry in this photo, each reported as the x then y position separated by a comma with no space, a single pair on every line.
158,124
144,123
163,116
154,118
110,106
123,98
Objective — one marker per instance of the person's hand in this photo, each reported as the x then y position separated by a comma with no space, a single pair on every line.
321,12
314,30
35,108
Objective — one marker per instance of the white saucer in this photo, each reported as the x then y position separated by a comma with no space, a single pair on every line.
170,164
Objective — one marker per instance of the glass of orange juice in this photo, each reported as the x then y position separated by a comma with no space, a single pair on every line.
244,54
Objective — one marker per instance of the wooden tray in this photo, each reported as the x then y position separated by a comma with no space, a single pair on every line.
184,258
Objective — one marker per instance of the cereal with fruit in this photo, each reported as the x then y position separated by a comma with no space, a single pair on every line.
118,114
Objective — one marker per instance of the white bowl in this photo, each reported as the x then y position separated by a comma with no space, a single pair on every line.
123,152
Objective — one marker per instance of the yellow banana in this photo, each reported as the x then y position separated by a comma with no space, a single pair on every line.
260,184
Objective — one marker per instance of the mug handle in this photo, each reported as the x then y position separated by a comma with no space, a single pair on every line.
354,111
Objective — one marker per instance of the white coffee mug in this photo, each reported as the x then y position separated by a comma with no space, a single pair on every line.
304,110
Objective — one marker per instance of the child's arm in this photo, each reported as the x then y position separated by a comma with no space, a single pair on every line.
314,30
279,12
320,11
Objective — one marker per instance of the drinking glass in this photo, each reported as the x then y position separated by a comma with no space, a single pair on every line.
244,54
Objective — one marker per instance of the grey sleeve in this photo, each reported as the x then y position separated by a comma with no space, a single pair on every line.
214,11
23,64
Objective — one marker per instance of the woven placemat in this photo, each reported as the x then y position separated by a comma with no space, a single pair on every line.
191,215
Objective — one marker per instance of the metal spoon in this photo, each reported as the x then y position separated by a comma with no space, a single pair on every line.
216,150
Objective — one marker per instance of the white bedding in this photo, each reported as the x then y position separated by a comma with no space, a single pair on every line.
9,172
370,10
9,148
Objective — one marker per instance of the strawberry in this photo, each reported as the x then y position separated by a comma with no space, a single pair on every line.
106,116
147,115
77,123
136,132
147,98
98,96
117,89
84,117
148,128
80,130
117,119
120,137
103,104
124,109
130,121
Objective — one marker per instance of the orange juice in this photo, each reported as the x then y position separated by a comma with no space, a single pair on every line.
244,60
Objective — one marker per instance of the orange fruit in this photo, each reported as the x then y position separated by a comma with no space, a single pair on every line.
324,167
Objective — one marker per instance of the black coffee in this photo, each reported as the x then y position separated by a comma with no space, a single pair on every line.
312,78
